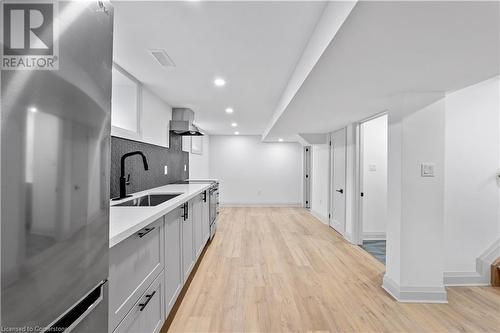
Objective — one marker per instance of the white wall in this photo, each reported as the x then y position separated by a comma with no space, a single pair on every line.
472,161
420,207
199,165
320,182
438,227
394,193
252,172
374,173
351,229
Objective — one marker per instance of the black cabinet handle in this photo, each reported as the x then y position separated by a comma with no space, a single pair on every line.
340,191
142,306
186,211
205,196
145,232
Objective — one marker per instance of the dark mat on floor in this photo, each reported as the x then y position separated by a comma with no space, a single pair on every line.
376,248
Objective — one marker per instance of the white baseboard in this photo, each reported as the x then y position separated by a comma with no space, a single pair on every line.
414,294
323,219
481,277
349,238
374,235
453,279
266,204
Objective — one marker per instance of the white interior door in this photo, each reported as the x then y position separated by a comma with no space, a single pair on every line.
338,180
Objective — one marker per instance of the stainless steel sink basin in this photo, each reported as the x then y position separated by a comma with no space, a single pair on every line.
149,200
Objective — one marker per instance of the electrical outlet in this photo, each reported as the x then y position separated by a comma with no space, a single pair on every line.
165,170
372,167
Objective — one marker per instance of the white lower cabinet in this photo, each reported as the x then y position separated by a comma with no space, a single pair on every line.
187,241
205,218
174,279
149,269
198,225
147,315
134,264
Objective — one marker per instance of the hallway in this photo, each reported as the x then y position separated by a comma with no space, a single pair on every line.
280,269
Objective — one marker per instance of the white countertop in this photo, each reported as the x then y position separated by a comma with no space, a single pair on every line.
125,221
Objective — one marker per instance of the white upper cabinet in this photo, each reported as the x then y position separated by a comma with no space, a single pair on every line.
125,105
197,145
156,116
186,144
137,113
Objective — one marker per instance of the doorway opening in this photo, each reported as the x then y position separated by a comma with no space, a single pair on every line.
373,185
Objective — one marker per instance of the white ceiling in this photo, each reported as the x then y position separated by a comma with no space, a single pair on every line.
253,45
388,49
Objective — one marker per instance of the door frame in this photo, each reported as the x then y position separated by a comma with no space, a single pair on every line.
331,183
358,220
307,177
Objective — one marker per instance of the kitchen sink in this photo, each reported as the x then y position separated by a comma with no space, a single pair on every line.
149,200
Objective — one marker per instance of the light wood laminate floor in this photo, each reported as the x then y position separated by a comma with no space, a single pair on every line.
280,269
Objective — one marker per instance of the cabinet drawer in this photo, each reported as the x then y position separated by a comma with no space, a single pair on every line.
147,314
133,265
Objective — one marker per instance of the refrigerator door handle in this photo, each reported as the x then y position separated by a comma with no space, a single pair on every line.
68,320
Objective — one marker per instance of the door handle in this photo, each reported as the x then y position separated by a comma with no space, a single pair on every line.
340,190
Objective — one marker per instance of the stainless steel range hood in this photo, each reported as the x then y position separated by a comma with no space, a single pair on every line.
182,122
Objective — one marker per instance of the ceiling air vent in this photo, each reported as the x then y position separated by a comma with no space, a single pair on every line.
162,57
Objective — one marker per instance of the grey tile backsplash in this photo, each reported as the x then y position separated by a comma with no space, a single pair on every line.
157,157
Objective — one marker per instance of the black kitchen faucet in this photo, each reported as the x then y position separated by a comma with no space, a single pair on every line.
126,181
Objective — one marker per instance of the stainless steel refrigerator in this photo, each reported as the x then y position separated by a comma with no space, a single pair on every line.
55,155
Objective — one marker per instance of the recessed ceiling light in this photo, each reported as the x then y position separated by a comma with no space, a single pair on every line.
32,109
229,110
236,133
234,124
280,140
219,82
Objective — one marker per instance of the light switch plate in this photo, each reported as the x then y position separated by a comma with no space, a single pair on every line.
427,169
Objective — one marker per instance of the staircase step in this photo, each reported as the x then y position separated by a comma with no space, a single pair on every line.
495,273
